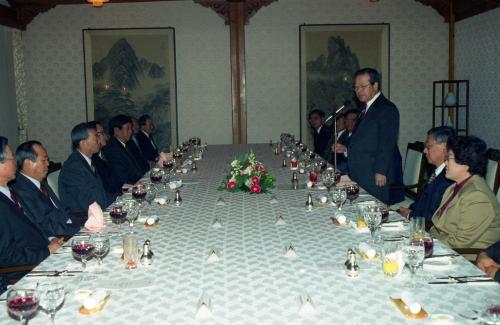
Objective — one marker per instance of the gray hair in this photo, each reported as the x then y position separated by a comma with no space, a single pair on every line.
3,144
441,134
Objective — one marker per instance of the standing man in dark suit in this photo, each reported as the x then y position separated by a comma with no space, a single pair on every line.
21,241
36,196
322,133
374,160
429,198
109,179
145,138
118,155
79,183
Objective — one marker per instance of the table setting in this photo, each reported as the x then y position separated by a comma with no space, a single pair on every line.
253,252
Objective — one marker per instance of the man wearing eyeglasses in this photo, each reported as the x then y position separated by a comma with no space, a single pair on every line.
374,160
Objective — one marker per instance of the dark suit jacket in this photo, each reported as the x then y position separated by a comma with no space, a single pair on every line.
126,168
148,150
428,200
21,241
137,154
494,252
341,158
321,141
45,215
109,179
79,187
373,148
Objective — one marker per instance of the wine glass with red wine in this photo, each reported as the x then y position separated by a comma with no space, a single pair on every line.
82,249
22,303
118,215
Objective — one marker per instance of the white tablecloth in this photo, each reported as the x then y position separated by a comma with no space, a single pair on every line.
253,283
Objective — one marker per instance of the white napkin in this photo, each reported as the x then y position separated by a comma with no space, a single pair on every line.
160,200
412,304
204,309
217,223
366,249
96,298
152,220
220,201
280,221
273,200
306,306
290,251
360,230
398,225
213,257
95,221
175,184
341,218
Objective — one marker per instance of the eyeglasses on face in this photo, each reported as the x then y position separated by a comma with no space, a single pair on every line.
360,86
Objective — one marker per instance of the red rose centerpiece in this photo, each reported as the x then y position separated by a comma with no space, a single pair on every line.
247,175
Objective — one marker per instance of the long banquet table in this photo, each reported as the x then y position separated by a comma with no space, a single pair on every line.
253,282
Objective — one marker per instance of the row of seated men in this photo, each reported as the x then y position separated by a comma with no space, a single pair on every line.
34,220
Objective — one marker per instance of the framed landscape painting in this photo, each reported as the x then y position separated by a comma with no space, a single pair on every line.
132,72
329,57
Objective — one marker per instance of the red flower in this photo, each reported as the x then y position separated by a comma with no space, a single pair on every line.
255,188
255,179
230,184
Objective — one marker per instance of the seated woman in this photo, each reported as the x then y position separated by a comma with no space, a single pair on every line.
469,213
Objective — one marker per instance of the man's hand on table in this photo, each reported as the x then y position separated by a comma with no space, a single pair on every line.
55,244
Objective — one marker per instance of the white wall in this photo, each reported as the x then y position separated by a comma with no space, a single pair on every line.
478,60
54,60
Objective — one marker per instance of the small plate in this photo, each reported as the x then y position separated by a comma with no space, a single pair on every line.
438,263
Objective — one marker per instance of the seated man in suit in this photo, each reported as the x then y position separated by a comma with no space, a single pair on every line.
428,199
489,261
21,241
37,198
343,138
135,148
109,179
79,183
322,133
145,138
118,154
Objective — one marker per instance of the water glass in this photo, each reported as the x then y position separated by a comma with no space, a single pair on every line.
373,218
417,227
51,298
414,257
392,258
100,240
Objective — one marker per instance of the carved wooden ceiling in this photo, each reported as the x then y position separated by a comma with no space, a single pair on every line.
21,12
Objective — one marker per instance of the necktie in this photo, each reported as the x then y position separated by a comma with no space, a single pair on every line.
363,111
92,167
45,193
433,177
14,199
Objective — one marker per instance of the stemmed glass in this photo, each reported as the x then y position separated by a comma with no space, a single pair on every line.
132,208
22,303
51,298
328,179
339,197
82,249
414,254
150,194
118,215
100,240
352,192
139,192
373,218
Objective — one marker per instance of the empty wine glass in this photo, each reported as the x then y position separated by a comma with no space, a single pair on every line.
51,298
82,249
132,208
150,194
328,179
100,240
22,303
414,254
373,218
339,197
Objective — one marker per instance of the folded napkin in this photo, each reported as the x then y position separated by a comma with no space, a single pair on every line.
410,301
160,200
204,309
175,184
217,223
213,257
220,201
290,251
273,200
94,299
95,221
164,157
280,221
306,306
398,225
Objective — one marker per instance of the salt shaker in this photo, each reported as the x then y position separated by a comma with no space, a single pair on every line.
147,254
177,198
351,266
309,202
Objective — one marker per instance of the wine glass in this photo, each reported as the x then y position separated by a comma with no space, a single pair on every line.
100,240
82,249
22,303
156,175
51,298
328,179
414,254
118,215
340,196
132,209
150,194
139,192
373,218
352,192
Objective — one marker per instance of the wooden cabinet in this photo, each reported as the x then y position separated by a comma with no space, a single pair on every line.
450,105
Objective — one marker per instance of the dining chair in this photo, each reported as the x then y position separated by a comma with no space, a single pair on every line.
492,170
414,170
53,180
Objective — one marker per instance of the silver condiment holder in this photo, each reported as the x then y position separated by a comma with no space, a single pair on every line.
309,202
284,163
193,166
177,198
147,254
351,265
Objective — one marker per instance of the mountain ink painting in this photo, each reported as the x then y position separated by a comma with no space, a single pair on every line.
132,72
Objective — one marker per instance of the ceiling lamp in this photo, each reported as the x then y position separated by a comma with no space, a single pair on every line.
97,3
